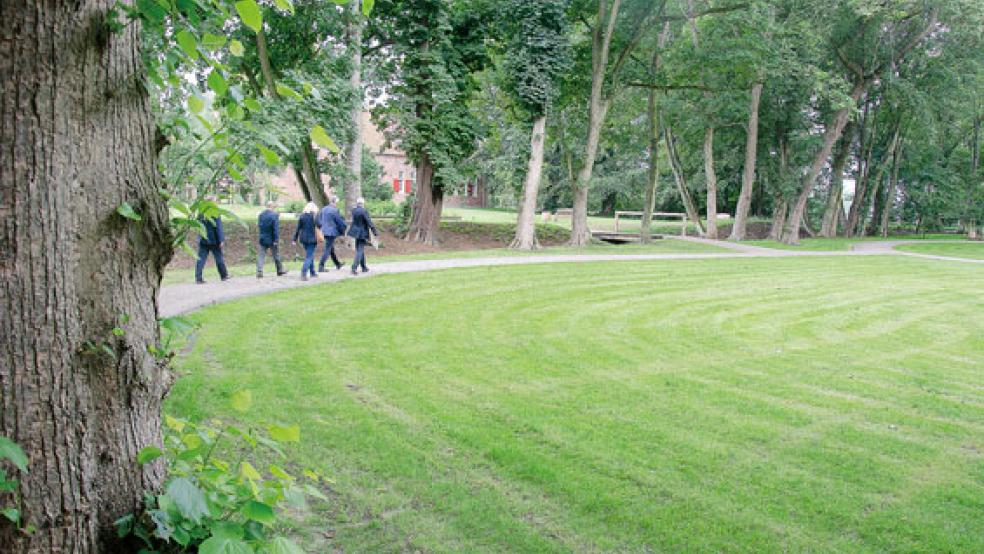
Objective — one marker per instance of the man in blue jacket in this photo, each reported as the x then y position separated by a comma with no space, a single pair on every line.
332,226
268,224
361,226
211,241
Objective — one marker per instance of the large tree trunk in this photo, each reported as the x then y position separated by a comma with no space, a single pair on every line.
309,164
835,196
597,110
426,220
748,177
779,213
973,232
77,141
889,201
681,181
353,153
833,132
526,224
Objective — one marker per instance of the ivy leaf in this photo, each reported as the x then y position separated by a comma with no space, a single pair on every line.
189,499
236,48
148,454
269,156
127,211
217,82
285,434
283,545
13,514
285,5
224,545
249,12
13,452
188,43
242,400
321,138
367,7
258,511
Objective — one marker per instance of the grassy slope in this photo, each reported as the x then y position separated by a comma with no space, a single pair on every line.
172,276
842,243
723,405
972,250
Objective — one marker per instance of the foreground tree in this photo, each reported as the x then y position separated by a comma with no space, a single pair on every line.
78,143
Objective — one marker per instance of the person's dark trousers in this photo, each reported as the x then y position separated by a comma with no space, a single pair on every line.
216,251
261,258
329,251
360,255
308,260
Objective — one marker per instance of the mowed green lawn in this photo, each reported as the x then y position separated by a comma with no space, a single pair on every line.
754,405
971,250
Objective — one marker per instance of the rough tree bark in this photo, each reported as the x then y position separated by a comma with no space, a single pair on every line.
781,206
77,139
889,200
748,177
681,181
353,152
525,238
427,207
835,196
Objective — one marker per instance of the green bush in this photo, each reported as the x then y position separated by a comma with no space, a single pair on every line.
293,207
11,451
212,504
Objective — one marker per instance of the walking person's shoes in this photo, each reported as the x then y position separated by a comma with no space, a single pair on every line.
321,269
365,270
281,273
226,278
259,275
338,266
354,272
303,277
313,274
202,282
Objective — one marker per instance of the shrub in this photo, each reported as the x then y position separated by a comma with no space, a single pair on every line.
11,451
293,207
212,504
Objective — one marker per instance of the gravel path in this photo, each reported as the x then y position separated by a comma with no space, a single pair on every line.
183,298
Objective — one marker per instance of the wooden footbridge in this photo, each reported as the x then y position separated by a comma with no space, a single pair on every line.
620,237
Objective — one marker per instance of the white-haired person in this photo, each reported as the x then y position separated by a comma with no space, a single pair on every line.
308,237
359,230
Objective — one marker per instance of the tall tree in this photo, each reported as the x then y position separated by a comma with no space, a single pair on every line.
536,55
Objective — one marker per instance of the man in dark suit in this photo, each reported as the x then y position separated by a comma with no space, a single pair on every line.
268,224
211,241
332,226
361,225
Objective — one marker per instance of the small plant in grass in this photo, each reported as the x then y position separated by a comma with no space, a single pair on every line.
220,496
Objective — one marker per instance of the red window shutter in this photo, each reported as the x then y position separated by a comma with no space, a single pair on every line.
406,186
396,185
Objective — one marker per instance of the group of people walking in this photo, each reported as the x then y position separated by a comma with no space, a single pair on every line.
314,226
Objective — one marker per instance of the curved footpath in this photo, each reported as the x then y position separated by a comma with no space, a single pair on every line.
183,298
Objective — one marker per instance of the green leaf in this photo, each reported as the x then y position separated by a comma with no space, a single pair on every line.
283,545
321,138
224,545
285,434
152,11
367,7
252,104
284,90
213,42
270,156
189,499
13,452
217,82
127,211
285,5
188,43
196,104
236,48
249,472
174,423
148,454
13,514
249,12
242,400
259,511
